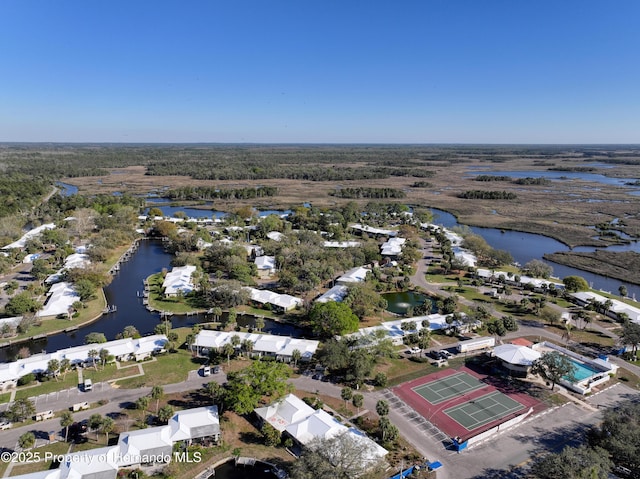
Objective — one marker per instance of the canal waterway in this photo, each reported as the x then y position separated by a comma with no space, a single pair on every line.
527,246
123,291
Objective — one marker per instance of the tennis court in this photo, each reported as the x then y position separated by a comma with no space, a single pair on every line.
448,387
483,410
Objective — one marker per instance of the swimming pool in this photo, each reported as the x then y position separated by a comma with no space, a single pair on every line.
582,371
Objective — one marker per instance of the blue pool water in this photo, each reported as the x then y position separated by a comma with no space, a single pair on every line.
582,371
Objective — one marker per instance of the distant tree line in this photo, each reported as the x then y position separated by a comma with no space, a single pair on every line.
532,181
577,169
421,184
210,193
492,178
487,195
368,193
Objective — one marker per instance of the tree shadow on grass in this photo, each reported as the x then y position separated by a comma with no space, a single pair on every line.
250,437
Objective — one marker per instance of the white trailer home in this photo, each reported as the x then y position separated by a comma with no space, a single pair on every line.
476,344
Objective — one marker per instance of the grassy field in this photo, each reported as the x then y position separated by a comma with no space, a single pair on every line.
70,381
166,369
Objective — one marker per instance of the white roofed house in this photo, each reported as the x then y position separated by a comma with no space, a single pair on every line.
279,302
337,293
101,463
200,423
266,266
307,426
34,233
8,376
61,298
145,446
280,347
178,281
392,247
354,275
122,350
288,410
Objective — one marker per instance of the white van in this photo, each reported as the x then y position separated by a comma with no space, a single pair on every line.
88,385
206,371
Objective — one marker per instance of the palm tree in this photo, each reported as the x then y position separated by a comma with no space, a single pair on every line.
95,422
65,365
66,420
295,356
235,341
165,413
104,356
357,400
228,350
157,393
346,394
107,426
259,323
382,408
142,403
247,345
53,367
93,355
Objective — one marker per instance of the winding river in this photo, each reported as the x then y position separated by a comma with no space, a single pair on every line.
123,291
527,246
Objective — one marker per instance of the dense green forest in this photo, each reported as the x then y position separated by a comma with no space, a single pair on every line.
20,192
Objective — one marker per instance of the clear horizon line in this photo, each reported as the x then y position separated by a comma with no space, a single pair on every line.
594,144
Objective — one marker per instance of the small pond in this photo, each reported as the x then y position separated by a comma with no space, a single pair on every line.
400,301
229,470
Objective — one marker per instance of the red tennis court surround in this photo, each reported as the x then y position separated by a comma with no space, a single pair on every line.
435,414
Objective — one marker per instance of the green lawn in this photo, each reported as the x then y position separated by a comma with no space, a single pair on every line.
4,397
70,381
56,448
167,369
110,372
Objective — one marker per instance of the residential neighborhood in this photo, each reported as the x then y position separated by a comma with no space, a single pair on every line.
363,377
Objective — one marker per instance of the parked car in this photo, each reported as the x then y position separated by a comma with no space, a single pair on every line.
316,376
206,371
415,350
445,353
216,369
434,354
5,425
88,385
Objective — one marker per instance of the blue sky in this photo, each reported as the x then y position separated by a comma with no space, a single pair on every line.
338,71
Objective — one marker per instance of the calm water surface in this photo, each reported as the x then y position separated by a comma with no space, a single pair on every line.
527,246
